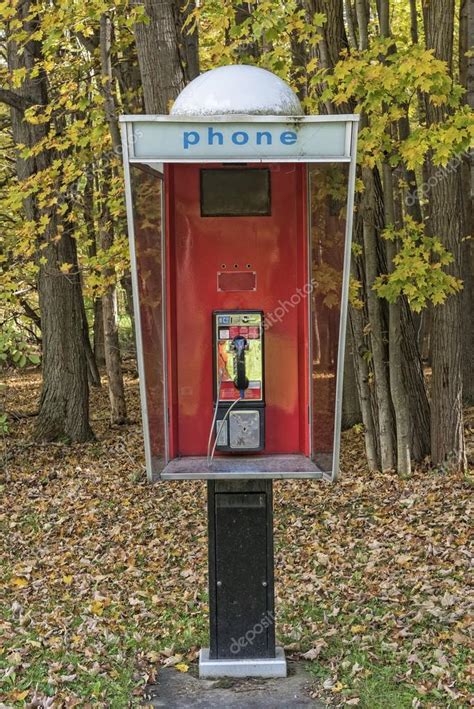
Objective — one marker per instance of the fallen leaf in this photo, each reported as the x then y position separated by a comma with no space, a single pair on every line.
19,696
19,581
315,651
97,607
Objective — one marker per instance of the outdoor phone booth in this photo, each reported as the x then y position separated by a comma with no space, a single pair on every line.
239,215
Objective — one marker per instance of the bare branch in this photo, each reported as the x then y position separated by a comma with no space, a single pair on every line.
14,100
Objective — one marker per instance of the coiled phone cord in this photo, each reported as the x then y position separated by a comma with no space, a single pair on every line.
209,442
234,403
210,456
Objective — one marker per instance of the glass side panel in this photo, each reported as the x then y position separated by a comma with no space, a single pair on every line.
147,195
328,196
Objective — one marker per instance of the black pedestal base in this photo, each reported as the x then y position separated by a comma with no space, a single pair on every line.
241,586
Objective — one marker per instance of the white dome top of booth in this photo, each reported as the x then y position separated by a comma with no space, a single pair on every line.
238,89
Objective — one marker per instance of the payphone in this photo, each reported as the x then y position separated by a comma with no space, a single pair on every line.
240,217
238,358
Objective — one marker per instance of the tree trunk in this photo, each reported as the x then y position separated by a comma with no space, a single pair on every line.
362,23
167,52
250,48
351,413
64,401
415,385
377,335
362,373
397,380
466,75
93,363
350,24
298,72
446,222
333,41
447,434
99,344
92,369
413,22
126,282
113,363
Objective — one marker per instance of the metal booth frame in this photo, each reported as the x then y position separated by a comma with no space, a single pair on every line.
151,141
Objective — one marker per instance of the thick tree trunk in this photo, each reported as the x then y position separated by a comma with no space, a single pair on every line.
466,75
64,402
167,52
446,222
415,385
333,40
447,435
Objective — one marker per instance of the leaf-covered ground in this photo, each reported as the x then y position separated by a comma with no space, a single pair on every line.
104,576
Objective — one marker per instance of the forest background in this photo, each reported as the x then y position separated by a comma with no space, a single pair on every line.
68,70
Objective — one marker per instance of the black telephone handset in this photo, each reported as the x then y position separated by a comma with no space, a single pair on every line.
238,346
238,423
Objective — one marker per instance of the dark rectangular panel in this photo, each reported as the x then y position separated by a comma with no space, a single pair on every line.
241,575
235,192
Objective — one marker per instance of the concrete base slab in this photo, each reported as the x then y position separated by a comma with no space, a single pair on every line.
183,690
261,667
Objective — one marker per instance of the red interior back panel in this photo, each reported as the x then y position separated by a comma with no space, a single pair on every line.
273,249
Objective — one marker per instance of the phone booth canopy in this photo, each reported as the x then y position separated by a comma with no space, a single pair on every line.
239,215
